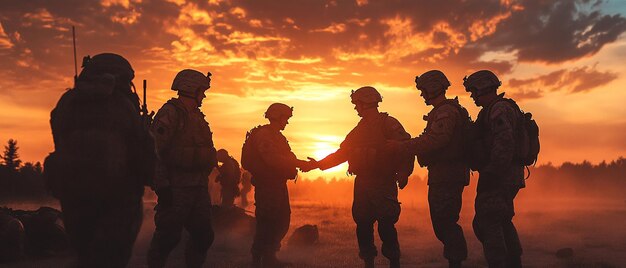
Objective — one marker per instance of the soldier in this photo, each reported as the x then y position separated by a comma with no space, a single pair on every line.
440,149
377,171
501,177
229,177
246,186
103,157
268,157
186,156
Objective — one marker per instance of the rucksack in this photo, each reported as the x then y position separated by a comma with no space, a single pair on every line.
97,154
249,154
527,144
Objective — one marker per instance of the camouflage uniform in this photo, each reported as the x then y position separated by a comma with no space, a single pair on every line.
275,164
229,178
440,149
186,157
500,180
375,188
100,163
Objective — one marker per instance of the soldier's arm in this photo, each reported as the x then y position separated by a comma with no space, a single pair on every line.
436,137
395,131
163,129
334,159
501,122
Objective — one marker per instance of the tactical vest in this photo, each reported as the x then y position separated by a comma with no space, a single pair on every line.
365,145
191,148
455,149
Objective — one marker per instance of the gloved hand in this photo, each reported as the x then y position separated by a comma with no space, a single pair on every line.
165,195
306,166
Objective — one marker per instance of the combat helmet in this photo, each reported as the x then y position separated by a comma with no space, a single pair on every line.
187,82
366,95
432,83
481,82
110,63
278,110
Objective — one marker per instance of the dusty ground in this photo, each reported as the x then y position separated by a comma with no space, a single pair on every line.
596,232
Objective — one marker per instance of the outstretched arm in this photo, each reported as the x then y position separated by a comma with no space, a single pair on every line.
333,159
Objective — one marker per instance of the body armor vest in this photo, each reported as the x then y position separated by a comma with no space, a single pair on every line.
192,145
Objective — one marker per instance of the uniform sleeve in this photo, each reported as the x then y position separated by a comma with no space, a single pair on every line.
501,124
395,131
437,136
334,159
163,129
339,156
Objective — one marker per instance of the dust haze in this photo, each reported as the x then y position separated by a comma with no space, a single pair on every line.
577,210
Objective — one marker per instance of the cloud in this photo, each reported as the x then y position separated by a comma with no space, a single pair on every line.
5,41
580,79
556,31
285,42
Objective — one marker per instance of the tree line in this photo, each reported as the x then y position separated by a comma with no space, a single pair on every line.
24,180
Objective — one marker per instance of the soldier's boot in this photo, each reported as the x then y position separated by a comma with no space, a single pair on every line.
394,263
271,261
257,261
454,264
369,262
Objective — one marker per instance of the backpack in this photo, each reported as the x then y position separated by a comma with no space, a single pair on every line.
97,154
463,139
527,144
249,154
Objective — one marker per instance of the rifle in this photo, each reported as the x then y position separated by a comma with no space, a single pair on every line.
144,107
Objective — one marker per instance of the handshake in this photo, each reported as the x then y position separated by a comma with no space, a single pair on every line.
306,166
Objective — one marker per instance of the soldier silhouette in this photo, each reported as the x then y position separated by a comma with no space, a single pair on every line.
103,157
186,156
501,174
378,172
266,154
229,177
440,148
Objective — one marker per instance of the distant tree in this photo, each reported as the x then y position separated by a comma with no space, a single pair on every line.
10,156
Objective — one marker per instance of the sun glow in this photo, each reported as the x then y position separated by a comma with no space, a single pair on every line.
327,145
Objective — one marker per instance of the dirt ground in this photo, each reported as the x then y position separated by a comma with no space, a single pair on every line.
595,232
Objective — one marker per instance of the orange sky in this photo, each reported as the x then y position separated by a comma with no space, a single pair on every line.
561,60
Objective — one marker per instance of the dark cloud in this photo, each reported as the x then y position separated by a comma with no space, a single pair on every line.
282,44
573,80
556,31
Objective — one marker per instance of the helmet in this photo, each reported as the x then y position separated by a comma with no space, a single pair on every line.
367,95
433,83
188,82
481,82
222,154
278,110
108,63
